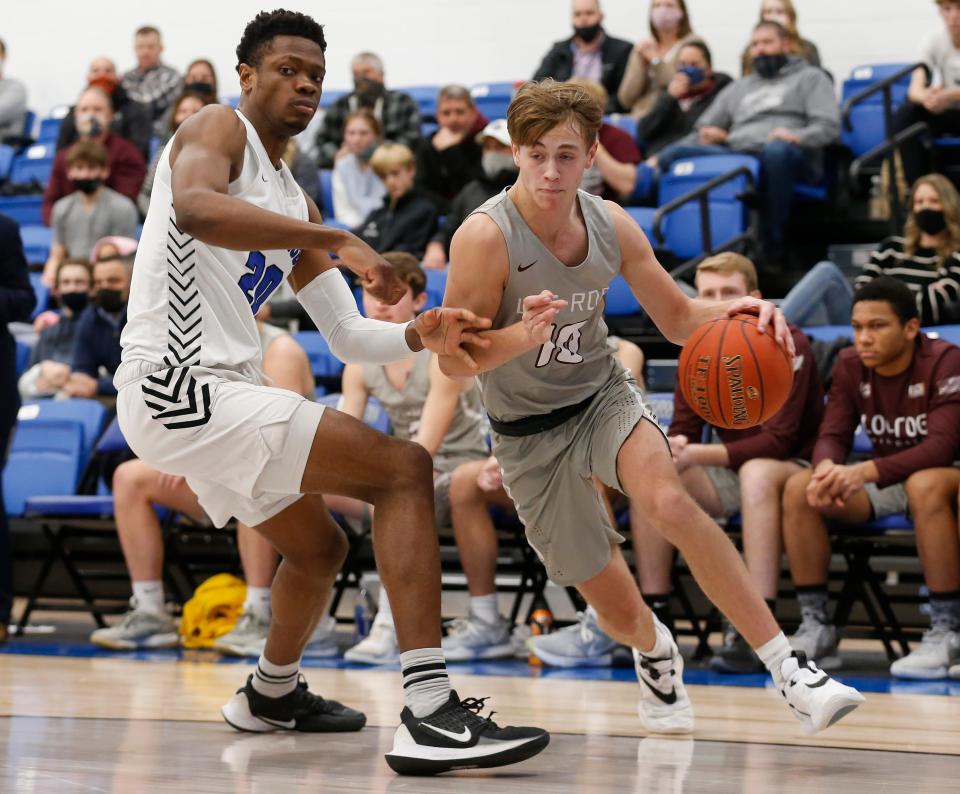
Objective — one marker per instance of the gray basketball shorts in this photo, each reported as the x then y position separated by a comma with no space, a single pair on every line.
549,477
887,501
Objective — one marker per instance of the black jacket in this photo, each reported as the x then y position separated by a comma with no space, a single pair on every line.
467,200
406,227
131,120
558,64
667,122
441,175
17,300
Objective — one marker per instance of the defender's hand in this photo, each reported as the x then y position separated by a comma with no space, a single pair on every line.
445,331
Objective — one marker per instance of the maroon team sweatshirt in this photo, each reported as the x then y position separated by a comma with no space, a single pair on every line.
912,419
789,433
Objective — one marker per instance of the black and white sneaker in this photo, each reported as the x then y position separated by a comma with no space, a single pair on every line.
664,704
299,710
815,699
455,736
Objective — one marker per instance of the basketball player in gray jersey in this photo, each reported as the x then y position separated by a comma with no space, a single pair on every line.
537,259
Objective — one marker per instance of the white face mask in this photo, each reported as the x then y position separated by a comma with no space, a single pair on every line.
495,162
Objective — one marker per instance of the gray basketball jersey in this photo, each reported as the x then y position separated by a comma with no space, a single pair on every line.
466,438
575,363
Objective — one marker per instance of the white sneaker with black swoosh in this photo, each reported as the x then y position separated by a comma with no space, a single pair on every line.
455,736
816,699
664,705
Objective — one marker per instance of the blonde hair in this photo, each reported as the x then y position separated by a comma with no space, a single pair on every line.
389,157
729,262
592,87
539,107
950,201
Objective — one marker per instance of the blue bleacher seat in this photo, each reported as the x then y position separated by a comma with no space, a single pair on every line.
29,121
619,300
33,165
425,96
427,128
326,194
828,333
328,97
951,333
41,292
37,240
492,99
867,117
436,286
89,414
323,363
49,130
23,209
7,153
624,121
23,357
643,216
46,458
374,415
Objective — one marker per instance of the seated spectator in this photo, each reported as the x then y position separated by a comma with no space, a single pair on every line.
131,120
138,489
96,353
785,113
689,93
125,164
653,61
303,170
926,258
183,107
450,158
783,13
905,391
590,53
397,112
499,172
744,473
150,82
406,220
934,93
52,356
357,191
13,102
199,81
614,170
90,212
112,247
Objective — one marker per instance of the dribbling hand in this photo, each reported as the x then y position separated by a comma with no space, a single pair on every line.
767,314
538,314
445,331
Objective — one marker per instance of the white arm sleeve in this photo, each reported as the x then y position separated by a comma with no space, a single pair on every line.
352,337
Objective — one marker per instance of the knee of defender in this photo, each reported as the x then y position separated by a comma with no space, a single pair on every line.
669,507
415,465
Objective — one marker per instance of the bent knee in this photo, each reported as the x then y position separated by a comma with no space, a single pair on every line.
133,475
795,491
932,488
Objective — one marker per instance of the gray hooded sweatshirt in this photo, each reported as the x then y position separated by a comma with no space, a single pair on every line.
800,98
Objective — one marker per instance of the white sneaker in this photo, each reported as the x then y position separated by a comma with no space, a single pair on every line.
471,638
139,629
247,638
815,698
378,647
664,705
954,672
939,649
819,642
584,644
323,642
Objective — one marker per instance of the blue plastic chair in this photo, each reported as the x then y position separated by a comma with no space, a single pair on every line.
329,96
620,300
323,364
326,194
829,333
37,240
492,99
46,457
7,153
436,286
375,415
867,117
29,121
23,209
425,96
89,414
950,333
34,164
49,130
624,121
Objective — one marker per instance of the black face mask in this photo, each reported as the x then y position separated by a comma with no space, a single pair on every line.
587,33
74,301
110,300
87,186
768,66
931,221
368,91
199,88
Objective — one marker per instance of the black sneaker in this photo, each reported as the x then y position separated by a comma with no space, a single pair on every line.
299,710
455,736
735,657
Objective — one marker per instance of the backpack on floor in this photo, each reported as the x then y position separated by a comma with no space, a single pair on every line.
213,611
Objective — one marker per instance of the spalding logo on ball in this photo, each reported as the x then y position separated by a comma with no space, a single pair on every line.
732,376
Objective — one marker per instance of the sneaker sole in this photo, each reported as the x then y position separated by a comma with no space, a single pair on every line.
920,673
236,713
603,660
436,760
836,708
241,651
470,655
679,722
360,658
157,642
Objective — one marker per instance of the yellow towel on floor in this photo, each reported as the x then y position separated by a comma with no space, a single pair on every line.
213,611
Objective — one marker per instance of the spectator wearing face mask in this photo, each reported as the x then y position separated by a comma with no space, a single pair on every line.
783,13
90,212
125,165
690,92
357,190
199,81
397,112
52,356
589,53
151,82
13,101
653,61
451,156
96,352
499,172
131,120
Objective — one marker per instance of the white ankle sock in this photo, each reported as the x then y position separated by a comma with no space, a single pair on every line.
149,596
662,646
426,686
772,653
275,680
384,612
258,602
485,608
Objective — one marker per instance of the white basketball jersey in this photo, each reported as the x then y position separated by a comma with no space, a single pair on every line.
192,304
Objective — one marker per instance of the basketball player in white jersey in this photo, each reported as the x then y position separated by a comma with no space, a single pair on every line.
226,224
563,411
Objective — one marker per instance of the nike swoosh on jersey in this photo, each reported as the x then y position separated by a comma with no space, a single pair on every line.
521,268
288,724
463,737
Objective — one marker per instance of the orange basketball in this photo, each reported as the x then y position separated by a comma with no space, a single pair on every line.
732,376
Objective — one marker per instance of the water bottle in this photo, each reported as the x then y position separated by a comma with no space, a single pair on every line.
925,604
362,614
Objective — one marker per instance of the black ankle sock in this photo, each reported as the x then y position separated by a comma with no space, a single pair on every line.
659,603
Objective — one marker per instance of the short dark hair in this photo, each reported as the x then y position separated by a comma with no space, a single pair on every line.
699,45
147,30
893,291
408,269
91,153
73,263
779,29
267,24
